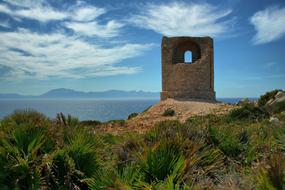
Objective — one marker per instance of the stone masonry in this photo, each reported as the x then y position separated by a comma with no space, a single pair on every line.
182,80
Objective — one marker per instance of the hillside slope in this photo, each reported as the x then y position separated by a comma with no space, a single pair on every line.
182,109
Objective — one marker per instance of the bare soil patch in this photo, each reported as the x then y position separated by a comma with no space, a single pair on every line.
183,110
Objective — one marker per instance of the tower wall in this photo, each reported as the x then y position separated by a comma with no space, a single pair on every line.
187,80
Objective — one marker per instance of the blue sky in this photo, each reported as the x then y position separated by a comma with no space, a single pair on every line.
110,44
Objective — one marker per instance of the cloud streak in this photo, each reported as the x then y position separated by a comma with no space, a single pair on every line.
40,13
87,13
43,12
82,19
27,54
110,29
269,25
40,56
183,19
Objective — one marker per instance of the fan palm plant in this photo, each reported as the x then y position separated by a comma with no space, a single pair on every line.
21,154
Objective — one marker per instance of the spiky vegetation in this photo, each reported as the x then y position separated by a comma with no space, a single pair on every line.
240,150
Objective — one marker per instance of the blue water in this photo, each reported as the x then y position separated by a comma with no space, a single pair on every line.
84,109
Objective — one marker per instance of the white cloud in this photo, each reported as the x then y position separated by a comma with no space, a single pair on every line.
25,3
178,19
39,12
40,56
269,25
111,70
110,29
82,19
25,54
5,9
42,14
87,13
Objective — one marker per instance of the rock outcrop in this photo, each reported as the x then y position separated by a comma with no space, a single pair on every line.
277,103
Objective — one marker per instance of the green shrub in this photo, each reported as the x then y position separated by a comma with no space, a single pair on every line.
206,120
27,117
90,123
162,130
110,138
62,172
32,158
126,152
82,149
169,112
68,121
248,112
228,140
272,174
276,171
22,158
158,163
104,181
132,115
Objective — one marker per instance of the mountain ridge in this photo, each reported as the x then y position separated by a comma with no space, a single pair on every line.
70,93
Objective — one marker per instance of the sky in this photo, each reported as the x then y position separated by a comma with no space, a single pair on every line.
109,44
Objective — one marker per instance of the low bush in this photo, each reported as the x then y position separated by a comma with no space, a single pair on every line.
82,149
248,112
32,157
271,174
68,121
90,123
132,115
162,130
26,117
168,112
228,140
22,157
159,162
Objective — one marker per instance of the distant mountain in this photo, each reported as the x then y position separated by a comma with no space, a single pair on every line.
62,93
13,96
69,93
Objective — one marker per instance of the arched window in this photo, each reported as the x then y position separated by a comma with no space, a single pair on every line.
188,57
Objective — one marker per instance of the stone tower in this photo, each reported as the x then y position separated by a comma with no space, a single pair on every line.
183,80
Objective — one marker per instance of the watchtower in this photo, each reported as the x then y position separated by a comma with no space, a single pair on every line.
187,80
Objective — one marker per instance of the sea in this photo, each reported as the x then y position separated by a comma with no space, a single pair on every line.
84,109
